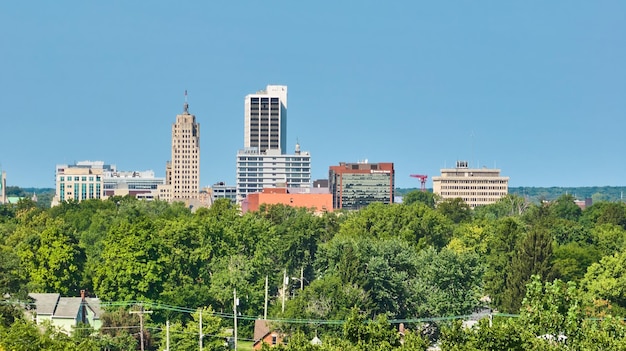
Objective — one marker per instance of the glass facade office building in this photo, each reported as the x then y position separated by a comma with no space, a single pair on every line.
356,185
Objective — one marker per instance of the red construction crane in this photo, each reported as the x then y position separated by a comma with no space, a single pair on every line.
422,178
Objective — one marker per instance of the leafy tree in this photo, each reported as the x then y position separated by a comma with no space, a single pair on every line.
382,268
12,278
455,209
571,260
474,237
608,238
417,224
564,207
131,268
605,213
117,326
425,197
326,298
447,283
502,334
53,261
510,205
376,335
185,337
565,231
607,280
553,308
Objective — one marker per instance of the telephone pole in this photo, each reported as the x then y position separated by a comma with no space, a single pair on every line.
235,304
200,336
140,313
266,292
284,287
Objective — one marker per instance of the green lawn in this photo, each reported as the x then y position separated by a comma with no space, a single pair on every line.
244,346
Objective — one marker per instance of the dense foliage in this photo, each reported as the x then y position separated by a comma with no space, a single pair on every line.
352,278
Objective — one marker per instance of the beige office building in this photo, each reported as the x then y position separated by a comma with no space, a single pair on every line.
183,171
80,181
476,186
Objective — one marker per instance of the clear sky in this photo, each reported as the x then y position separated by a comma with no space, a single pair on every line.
535,88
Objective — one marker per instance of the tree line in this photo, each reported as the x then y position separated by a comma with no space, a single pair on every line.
557,269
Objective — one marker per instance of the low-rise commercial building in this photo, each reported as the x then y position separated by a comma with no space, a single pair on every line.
318,202
475,186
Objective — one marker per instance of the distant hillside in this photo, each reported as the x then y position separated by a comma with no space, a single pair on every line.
596,193
44,195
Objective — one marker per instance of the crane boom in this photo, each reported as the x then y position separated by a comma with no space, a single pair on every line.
422,178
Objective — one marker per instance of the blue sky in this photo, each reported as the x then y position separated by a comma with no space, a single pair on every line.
535,88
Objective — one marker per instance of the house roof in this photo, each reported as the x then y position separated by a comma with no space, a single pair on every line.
63,307
94,305
261,328
45,303
67,307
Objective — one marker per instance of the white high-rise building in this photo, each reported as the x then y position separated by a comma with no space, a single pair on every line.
263,162
265,125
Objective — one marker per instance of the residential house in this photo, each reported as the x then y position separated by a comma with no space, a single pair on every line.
263,334
67,312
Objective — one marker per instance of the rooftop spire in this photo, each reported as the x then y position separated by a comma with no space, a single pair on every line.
186,105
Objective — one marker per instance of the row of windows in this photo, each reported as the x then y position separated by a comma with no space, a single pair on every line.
298,160
254,166
243,170
252,181
80,192
77,179
478,193
185,140
479,181
473,187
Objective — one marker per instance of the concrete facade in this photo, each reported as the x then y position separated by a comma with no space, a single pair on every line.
265,124
81,181
86,180
140,184
475,186
183,171
263,162
356,185
256,171
318,203
220,190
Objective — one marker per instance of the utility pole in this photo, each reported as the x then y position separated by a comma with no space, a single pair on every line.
266,292
284,287
140,313
200,332
167,335
235,304
301,278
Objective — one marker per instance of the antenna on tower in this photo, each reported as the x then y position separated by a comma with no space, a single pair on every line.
186,105
472,148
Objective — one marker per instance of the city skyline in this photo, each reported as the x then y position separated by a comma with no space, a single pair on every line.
534,89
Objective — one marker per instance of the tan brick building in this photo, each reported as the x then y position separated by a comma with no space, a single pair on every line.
182,179
476,186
